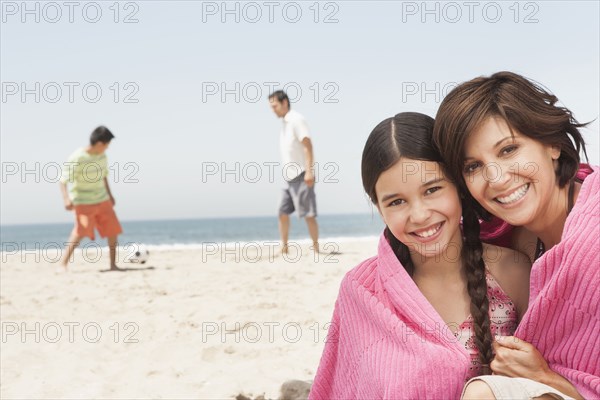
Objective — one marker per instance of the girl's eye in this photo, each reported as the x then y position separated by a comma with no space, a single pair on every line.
471,167
433,189
508,149
397,202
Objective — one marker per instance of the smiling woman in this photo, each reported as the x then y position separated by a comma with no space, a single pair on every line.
507,141
523,194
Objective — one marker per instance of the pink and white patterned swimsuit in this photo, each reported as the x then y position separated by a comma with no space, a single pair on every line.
503,322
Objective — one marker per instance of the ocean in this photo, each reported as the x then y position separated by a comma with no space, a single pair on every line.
195,232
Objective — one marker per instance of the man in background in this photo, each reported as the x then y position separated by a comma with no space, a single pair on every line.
297,157
89,195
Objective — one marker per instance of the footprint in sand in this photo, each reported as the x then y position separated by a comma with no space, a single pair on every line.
267,305
210,354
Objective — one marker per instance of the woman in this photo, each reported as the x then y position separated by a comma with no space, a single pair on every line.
517,152
418,320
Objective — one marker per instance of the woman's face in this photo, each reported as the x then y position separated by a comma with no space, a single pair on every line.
513,177
420,206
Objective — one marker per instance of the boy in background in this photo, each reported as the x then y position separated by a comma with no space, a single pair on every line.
89,195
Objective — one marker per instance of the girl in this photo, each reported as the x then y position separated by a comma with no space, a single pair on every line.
517,153
417,320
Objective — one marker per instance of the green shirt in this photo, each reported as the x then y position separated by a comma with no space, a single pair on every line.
84,174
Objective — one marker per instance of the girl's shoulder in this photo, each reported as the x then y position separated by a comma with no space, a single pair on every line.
503,261
511,269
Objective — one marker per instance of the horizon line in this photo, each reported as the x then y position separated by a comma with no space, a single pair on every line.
181,219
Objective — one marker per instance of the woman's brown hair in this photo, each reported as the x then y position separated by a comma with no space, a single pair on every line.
524,105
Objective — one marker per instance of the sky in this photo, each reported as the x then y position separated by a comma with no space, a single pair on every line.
183,86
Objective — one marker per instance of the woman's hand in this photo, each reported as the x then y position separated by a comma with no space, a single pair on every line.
517,358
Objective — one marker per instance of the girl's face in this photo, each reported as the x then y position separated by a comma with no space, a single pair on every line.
511,177
420,206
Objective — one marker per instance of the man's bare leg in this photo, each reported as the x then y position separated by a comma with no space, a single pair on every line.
313,230
284,230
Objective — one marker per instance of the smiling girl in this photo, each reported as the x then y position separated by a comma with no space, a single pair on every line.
418,320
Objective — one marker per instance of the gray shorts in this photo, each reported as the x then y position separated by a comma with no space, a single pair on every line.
506,388
296,195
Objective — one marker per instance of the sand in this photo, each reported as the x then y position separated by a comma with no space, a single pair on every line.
190,323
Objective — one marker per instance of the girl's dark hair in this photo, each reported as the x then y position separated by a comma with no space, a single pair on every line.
101,134
409,135
525,107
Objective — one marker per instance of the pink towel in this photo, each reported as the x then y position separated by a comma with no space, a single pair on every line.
563,319
387,341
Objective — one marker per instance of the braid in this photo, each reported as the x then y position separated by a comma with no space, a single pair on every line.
472,252
401,251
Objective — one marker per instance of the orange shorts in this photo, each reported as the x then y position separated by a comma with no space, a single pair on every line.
100,216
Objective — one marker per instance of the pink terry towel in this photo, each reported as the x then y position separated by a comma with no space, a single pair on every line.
563,319
386,341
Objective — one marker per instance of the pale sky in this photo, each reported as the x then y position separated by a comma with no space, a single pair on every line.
184,88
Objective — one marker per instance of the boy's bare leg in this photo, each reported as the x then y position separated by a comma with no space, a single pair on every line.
313,230
112,247
284,229
72,244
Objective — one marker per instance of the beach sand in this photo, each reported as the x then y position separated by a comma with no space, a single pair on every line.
190,323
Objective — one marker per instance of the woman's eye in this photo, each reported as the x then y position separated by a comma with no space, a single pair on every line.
397,202
471,167
433,189
508,149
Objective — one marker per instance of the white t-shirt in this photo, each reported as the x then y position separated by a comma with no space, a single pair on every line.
294,129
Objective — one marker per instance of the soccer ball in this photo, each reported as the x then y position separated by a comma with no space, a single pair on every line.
139,254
